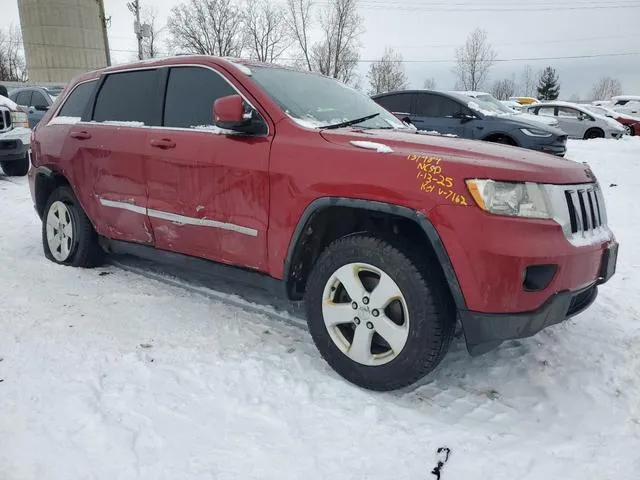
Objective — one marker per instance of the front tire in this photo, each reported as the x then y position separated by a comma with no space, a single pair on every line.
16,168
380,317
68,238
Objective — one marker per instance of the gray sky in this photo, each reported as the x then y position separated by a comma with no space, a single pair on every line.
426,33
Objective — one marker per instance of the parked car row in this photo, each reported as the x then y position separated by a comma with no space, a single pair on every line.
15,138
309,188
542,126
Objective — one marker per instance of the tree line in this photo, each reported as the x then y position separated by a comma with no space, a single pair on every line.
324,39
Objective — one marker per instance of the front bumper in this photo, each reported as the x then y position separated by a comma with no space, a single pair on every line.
558,147
12,150
486,331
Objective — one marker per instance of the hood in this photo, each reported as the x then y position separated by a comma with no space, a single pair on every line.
529,117
524,121
473,158
614,124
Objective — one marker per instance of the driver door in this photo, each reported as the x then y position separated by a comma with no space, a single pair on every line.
571,121
441,114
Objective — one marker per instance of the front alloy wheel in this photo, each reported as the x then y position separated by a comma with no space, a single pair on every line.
365,314
381,315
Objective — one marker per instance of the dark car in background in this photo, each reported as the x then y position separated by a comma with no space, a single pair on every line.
36,100
456,114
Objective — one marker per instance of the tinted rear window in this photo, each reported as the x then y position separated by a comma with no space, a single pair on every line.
399,102
191,92
24,98
127,97
76,102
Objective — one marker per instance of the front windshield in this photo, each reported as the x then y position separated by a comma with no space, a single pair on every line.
317,101
489,102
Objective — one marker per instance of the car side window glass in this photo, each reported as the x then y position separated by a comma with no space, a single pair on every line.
38,100
396,103
191,93
566,112
438,106
426,105
127,97
24,98
76,102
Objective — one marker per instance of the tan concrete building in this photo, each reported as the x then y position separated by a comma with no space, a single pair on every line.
62,38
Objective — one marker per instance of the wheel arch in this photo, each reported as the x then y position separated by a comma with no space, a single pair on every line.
46,180
593,129
305,246
495,136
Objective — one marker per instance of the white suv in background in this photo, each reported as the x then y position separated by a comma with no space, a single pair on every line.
577,121
15,138
627,104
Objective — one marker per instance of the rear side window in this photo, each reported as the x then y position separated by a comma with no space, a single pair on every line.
127,97
76,102
431,105
24,98
191,92
398,102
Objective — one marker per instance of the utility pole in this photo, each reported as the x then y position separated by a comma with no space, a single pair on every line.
103,24
134,7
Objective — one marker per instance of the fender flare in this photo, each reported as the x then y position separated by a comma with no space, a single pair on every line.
432,234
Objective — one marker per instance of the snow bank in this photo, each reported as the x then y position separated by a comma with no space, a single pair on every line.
108,374
378,147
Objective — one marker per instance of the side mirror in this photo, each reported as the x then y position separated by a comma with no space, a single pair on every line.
466,118
229,112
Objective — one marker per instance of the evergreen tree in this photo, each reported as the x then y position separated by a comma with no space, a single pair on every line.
548,86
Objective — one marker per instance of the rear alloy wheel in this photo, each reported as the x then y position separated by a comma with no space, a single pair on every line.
380,317
593,133
16,168
68,237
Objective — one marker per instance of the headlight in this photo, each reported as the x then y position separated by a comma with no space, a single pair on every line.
19,119
532,132
514,199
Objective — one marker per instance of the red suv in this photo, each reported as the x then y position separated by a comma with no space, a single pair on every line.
308,187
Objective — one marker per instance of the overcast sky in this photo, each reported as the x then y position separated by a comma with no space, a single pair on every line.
426,33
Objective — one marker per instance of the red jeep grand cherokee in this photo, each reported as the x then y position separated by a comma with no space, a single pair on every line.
310,188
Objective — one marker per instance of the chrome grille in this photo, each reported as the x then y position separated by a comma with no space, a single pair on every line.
584,209
5,119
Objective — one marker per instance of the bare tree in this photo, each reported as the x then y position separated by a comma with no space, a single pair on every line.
150,42
266,36
528,82
336,54
298,18
605,88
387,74
208,27
429,83
12,63
503,89
473,60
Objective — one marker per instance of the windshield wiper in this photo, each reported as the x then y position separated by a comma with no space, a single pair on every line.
350,122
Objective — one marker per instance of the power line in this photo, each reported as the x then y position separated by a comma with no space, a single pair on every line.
551,8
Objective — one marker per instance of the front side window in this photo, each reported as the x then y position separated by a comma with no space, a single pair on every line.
38,100
191,93
76,103
127,97
316,101
566,112
546,111
438,106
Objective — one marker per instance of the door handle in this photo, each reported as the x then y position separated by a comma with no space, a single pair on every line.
81,135
163,144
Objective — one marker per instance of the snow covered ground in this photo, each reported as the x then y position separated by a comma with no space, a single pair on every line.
109,374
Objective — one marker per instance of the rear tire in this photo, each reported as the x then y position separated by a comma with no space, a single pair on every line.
16,168
364,288
502,139
593,133
68,237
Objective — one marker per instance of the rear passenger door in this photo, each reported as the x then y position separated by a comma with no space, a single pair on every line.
114,145
208,192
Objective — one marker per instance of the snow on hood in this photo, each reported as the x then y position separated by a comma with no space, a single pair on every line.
479,158
378,147
7,102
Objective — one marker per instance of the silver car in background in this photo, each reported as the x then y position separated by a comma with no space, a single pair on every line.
577,121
